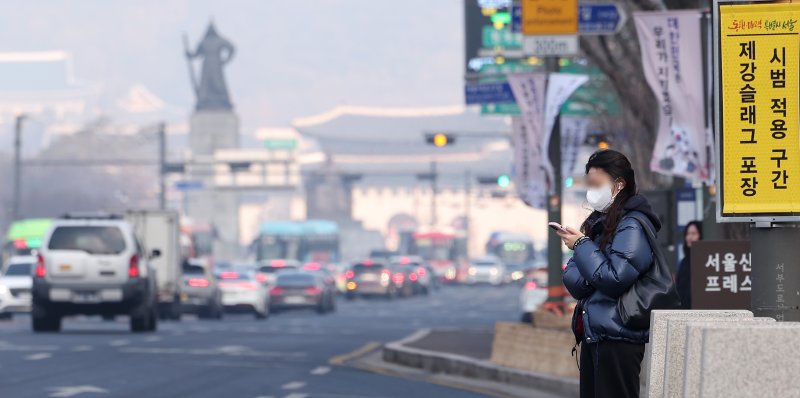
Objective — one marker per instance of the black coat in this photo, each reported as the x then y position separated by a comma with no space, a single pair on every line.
599,276
683,282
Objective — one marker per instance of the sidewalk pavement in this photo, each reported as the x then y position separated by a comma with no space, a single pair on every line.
460,359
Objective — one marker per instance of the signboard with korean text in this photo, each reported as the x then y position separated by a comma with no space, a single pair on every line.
721,275
757,51
549,17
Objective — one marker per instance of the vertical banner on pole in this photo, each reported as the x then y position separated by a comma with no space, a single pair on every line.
672,58
559,87
531,177
573,134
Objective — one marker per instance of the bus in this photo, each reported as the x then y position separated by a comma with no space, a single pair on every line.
25,236
516,251
445,251
304,241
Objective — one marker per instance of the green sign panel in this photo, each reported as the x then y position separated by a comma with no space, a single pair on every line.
276,144
594,98
505,38
500,109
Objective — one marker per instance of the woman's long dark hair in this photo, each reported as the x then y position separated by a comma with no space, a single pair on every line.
618,167
696,224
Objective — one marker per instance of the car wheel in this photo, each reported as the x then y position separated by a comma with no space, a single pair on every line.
322,308
141,320
46,323
261,315
153,324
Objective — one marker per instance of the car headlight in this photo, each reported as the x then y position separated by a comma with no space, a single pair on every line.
493,271
4,290
472,271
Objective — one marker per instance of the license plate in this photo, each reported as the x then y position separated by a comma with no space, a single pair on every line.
369,277
85,297
295,300
65,267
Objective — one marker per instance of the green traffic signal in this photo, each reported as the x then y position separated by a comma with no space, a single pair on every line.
503,181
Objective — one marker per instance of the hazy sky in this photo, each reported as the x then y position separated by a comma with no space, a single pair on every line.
294,57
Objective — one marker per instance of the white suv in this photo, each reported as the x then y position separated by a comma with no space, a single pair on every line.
93,265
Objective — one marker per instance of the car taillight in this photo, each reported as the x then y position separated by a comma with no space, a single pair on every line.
349,274
313,291
197,282
262,278
276,291
530,285
229,275
133,267
421,271
40,271
398,278
311,267
413,277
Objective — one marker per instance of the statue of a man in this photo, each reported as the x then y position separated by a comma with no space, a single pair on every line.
211,90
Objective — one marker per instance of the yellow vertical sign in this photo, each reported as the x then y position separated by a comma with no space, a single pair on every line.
549,17
760,141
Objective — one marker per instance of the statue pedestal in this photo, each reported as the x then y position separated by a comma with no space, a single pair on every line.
212,131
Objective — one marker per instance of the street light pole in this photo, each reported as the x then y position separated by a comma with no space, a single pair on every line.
18,164
162,159
434,177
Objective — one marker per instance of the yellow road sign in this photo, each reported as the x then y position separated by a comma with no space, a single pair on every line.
759,163
549,17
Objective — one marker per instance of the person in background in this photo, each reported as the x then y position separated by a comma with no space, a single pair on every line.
692,233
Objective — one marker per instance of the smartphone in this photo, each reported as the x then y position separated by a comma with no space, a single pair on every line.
557,227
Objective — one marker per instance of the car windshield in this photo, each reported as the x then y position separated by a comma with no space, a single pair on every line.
364,268
193,270
295,280
92,240
483,264
268,269
19,269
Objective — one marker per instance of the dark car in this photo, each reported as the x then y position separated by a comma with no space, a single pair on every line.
200,294
370,278
294,290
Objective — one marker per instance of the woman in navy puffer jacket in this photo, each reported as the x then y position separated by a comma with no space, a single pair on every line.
611,252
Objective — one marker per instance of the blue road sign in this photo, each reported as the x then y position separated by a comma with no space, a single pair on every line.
486,93
189,185
600,18
516,18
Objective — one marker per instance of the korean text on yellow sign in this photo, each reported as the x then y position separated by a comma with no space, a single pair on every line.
760,154
549,17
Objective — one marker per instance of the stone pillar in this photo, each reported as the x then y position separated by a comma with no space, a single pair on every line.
211,131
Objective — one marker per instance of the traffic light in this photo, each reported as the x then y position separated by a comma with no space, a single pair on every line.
569,182
439,139
603,144
503,181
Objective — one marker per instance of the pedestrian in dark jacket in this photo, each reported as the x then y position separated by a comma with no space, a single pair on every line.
692,233
611,252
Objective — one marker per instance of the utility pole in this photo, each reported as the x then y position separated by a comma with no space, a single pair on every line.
555,259
467,204
162,159
434,177
18,165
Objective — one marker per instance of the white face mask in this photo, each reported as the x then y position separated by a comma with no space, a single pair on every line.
600,199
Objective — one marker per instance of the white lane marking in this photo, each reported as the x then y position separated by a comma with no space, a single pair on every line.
295,385
39,356
82,348
212,352
296,395
71,391
119,343
321,370
152,339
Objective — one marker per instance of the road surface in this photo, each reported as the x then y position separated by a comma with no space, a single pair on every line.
285,356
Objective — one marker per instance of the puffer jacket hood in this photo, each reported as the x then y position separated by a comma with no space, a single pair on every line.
639,203
599,276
